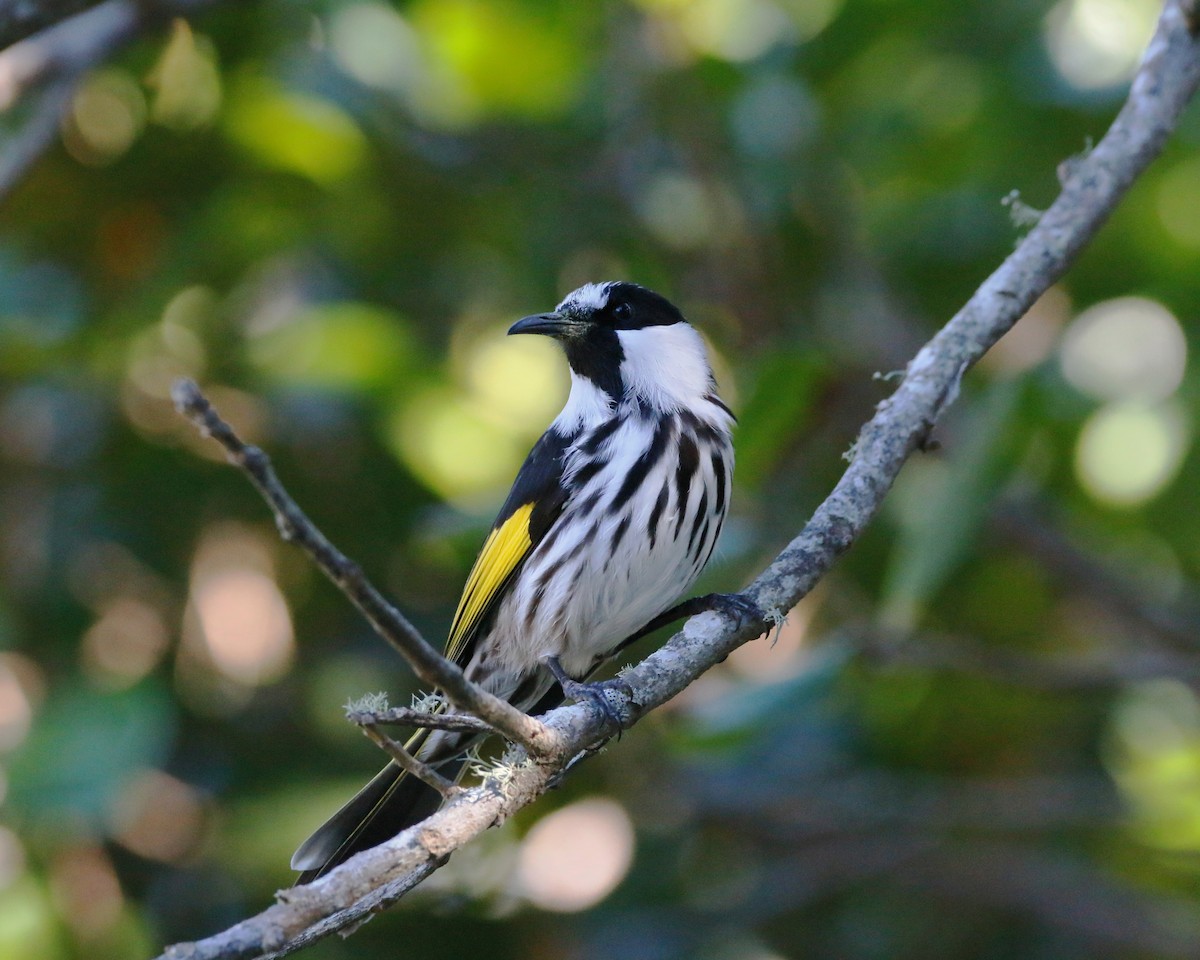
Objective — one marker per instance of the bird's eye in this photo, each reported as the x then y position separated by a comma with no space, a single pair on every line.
622,311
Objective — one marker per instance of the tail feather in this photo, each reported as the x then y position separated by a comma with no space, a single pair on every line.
391,802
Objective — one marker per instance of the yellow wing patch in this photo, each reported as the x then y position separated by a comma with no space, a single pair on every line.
504,548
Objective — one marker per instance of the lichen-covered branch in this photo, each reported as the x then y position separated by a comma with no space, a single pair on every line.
408,717
1092,186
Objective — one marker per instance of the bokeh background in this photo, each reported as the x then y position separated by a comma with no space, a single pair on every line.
979,738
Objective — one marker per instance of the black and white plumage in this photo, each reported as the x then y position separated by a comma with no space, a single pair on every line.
610,520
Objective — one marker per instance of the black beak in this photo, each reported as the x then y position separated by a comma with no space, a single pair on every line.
550,324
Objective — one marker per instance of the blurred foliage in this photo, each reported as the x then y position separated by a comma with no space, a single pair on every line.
979,738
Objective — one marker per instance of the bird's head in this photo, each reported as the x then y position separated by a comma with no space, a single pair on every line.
628,342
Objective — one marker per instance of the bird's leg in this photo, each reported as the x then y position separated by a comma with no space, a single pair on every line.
594,693
735,605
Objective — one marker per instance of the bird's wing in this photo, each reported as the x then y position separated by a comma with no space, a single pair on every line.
534,503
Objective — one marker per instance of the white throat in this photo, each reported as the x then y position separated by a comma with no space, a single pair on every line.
587,405
665,367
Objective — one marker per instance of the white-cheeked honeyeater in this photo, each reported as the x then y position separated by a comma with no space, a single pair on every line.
610,520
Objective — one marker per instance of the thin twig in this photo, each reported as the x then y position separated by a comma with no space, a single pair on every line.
295,527
407,761
1166,81
408,717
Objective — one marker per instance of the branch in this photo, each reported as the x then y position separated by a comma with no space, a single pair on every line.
21,18
20,150
407,761
295,527
55,60
1166,80
408,717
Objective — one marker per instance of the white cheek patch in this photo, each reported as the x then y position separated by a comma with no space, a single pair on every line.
665,366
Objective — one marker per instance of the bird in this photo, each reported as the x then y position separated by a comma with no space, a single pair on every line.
610,521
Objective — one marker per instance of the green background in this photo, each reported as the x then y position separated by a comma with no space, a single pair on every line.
979,738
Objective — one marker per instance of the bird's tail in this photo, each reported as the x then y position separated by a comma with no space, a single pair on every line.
394,800
391,802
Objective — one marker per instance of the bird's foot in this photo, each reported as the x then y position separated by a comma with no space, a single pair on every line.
598,694
737,606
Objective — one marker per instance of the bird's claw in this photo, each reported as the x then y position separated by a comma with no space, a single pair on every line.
597,695
736,606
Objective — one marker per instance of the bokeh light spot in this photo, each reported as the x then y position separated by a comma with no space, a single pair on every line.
774,116
20,686
1177,200
296,132
1130,348
158,817
488,56
1155,759
575,857
1097,43
29,926
344,345
736,30
105,116
452,448
1032,338
374,44
86,891
244,624
1128,453
679,210
186,80
522,380
158,355
125,644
